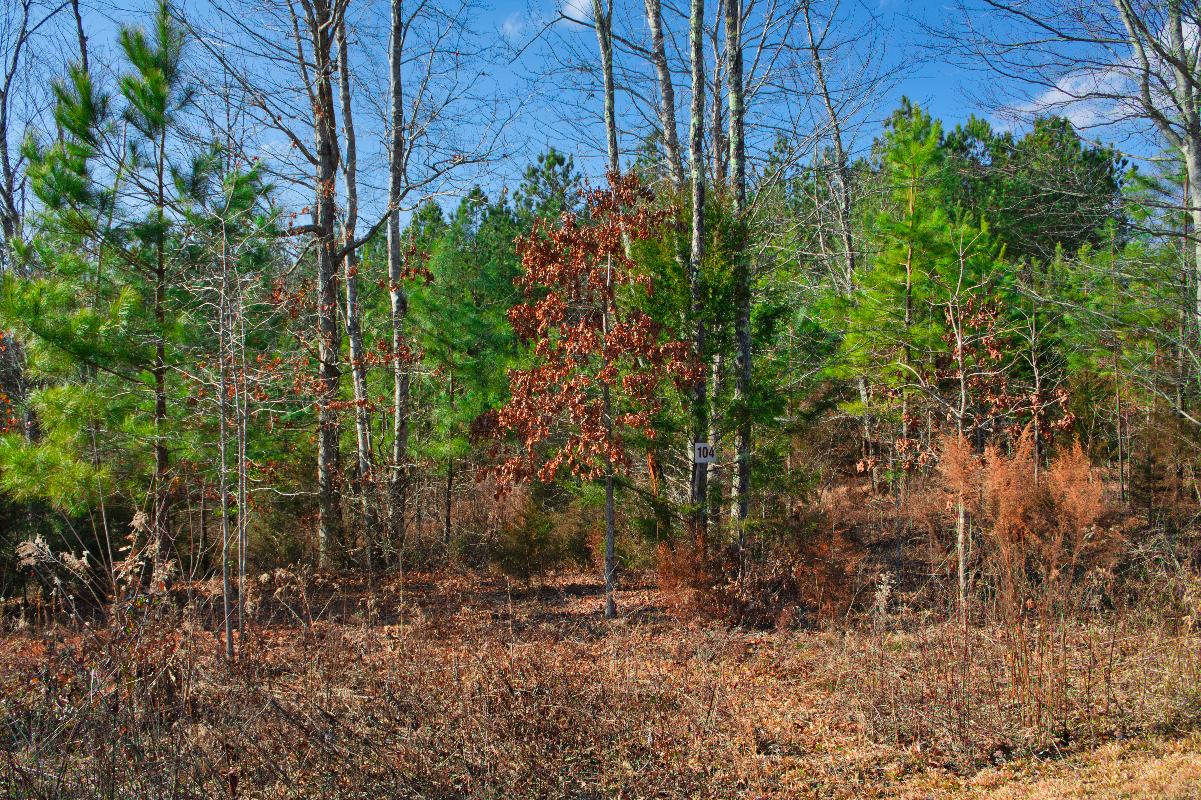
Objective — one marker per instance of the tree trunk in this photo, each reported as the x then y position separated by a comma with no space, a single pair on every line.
906,355
1188,321
162,460
699,488
398,487
742,271
842,176
1192,161
667,94
450,482
17,36
610,526
329,344
602,13
224,351
354,330
450,494
242,416
82,38
720,145
603,17
720,477
961,553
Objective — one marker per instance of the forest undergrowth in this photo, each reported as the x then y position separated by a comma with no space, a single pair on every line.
449,685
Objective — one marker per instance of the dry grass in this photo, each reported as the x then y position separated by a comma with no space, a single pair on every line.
466,689
1158,768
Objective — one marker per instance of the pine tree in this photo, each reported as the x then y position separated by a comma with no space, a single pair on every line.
891,323
460,323
105,306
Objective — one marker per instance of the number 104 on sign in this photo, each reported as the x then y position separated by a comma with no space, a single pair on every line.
703,453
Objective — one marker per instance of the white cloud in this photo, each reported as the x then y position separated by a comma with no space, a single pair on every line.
1106,95
577,9
513,26
1087,98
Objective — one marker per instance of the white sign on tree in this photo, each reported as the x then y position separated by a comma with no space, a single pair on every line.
703,453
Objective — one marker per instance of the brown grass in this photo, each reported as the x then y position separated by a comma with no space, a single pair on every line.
463,688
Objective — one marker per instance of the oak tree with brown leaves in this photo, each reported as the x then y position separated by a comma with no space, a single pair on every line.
598,363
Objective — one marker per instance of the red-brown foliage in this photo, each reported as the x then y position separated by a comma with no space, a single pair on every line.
1041,529
588,346
800,572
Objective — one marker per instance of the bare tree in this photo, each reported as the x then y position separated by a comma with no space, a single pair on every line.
282,56
297,48
602,15
816,34
399,302
21,23
699,487
667,94
742,271
443,118
323,19
224,334
354,325
832,41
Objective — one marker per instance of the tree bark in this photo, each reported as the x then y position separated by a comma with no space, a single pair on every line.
10,216
242,415
81,36
450,481
224,333
742,271
354,329
329,345
602,13
607,411
667,94
450,494
399,301
699,487
1192,154
162,458
961,553
610,517
841,171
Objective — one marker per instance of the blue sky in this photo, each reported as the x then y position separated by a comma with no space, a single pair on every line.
950,92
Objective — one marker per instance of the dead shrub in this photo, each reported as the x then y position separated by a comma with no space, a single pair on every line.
685,582
1038,533
1076,542
794,572
358,712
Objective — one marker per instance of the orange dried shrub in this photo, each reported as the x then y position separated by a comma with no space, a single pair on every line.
1077,540
1076,489
685,581
1039,531
961,470
1012,508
